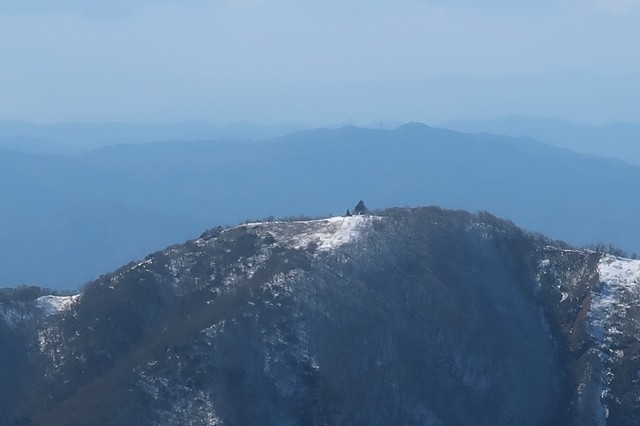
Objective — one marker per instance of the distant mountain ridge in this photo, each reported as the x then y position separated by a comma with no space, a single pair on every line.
83,215
84,136
619,140
410,316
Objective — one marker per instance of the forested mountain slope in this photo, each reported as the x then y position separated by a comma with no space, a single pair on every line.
410,316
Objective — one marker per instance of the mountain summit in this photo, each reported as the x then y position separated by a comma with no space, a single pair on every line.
410,316
135,199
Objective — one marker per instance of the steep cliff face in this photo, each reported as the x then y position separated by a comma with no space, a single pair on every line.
413,316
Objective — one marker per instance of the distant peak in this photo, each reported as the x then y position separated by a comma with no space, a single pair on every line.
413,125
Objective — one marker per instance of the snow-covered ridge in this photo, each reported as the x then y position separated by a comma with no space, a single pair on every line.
619,271
619,290
333,232
17,312
327,234
51,305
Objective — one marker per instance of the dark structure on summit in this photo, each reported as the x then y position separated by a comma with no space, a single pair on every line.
360,208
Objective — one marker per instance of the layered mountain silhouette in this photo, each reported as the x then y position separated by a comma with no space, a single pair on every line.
80,216
67,138
410,316
613,140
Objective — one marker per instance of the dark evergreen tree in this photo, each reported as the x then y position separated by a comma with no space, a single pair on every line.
360,208
348,213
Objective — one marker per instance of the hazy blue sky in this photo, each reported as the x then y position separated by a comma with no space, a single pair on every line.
318,62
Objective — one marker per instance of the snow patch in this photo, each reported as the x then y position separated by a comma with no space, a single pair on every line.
327,234
619,272
181,404
619,285
336,232
51,305
213,330
619,289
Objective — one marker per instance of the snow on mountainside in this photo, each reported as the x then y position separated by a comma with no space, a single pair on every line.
411,316
327,234
592,302
18,309
613,311
54,304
